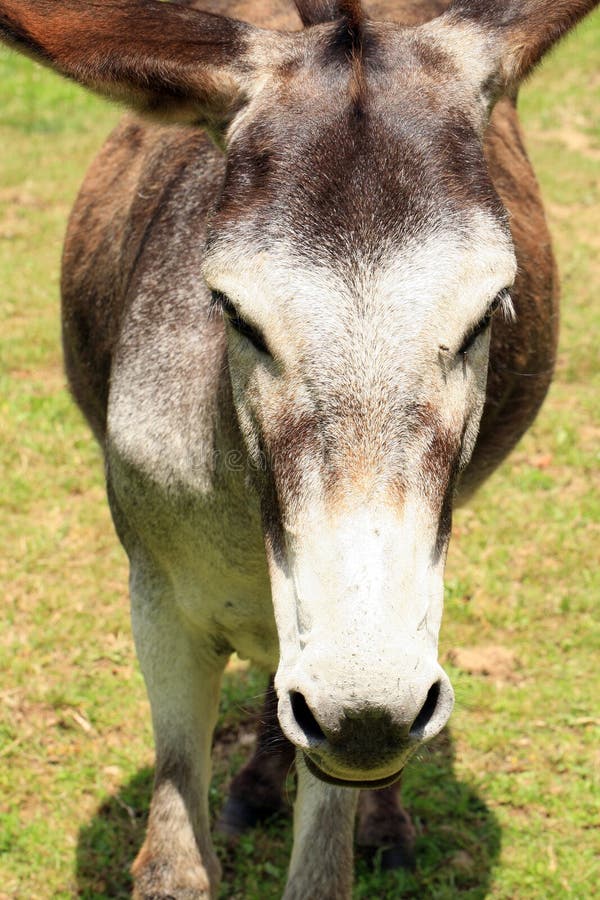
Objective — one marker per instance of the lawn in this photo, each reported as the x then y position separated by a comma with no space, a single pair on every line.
507,803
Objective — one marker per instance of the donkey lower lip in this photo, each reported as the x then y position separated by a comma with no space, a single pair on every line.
374,784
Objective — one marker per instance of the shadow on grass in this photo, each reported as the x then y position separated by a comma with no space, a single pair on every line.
458,836
109,843
457,845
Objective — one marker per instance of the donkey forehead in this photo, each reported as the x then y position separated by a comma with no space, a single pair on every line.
354,155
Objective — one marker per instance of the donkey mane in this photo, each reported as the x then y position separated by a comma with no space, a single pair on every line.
347,45
316,12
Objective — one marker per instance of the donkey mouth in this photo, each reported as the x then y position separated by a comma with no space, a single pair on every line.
373,784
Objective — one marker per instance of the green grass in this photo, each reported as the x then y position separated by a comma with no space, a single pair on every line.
506,805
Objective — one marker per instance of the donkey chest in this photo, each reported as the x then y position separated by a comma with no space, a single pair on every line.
198,522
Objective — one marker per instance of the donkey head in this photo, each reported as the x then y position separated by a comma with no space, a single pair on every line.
358,252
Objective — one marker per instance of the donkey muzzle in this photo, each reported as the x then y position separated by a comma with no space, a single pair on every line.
347,739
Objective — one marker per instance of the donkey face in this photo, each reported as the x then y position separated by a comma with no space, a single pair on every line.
358,252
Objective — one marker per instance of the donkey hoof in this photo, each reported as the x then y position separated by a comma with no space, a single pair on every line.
398,857
175,893
386,859
158,877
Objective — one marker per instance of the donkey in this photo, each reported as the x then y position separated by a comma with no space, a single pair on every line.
277,308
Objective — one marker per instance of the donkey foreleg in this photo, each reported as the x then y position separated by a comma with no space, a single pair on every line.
385,829
257,791
182,677
322,856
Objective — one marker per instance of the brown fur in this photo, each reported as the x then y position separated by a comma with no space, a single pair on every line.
162,59
521,359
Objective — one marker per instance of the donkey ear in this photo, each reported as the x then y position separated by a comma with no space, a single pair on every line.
520,31
164,59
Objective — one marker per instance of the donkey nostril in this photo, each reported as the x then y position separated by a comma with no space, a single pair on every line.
305,718
426,712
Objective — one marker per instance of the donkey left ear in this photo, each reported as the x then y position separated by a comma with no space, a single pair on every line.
168,60
519,32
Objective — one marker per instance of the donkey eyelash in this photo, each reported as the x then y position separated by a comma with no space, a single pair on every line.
503,304
220,302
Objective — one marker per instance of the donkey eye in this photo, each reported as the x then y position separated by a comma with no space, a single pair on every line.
501,301
221,302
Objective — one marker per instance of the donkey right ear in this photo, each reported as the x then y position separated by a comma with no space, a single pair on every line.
163,59
518,32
